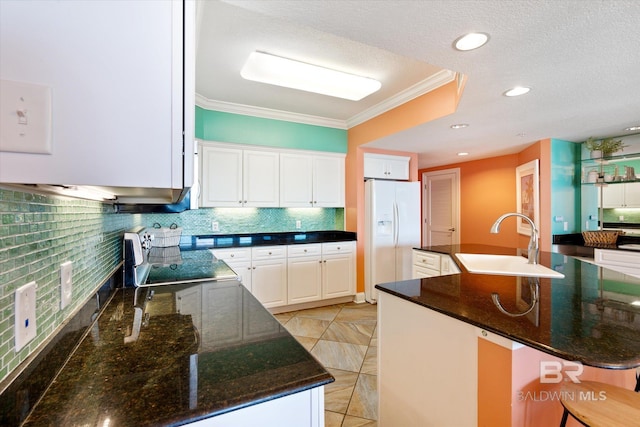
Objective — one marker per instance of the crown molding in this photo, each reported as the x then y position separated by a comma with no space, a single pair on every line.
440,78
266,113
433,82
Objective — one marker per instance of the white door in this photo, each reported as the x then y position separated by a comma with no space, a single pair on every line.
269,282
441,208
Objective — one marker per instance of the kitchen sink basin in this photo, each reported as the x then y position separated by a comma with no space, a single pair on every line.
506,265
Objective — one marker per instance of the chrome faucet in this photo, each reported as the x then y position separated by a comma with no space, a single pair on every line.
533,242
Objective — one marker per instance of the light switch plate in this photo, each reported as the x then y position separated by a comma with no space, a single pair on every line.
66,282
25,314
25,117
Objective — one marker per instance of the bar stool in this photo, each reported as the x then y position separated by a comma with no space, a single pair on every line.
598,404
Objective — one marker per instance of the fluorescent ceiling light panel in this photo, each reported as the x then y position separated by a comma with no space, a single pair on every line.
266,68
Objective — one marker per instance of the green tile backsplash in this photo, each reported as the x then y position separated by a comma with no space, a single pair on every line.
250,220
37,234
40,232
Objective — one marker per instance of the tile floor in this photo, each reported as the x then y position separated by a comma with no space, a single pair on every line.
343,338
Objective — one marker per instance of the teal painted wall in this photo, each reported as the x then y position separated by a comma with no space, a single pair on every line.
241,129
565,185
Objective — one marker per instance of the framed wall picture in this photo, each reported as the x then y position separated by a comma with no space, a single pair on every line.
528,195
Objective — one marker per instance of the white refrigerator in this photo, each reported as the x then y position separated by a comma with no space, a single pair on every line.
392,230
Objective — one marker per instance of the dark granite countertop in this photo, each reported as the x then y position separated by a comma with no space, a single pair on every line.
264,239
587,316
203,347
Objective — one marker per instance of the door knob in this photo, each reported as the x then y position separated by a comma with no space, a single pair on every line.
452,229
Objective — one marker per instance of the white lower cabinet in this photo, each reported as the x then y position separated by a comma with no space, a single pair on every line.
269,275
626,262
431,264
338,269
303,409
294,274
304,273
239,259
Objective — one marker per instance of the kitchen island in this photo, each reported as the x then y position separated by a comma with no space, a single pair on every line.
203,352
450,355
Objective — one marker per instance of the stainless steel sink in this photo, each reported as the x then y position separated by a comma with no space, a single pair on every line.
505,265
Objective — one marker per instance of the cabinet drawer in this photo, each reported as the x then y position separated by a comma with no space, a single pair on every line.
426,259
267,252
337,247
621,258
304,250
232,254
420,272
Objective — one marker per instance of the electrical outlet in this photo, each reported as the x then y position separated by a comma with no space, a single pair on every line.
66,282
215,226
25,314
298,224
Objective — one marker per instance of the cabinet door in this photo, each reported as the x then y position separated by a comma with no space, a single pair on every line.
384,166
632,195
328,181
374,167
339,269
116,73
296,185
398,168
269,281
612,196
221,170
420,272
261,173
304,279
239,259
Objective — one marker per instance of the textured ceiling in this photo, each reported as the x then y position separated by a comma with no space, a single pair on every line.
581,59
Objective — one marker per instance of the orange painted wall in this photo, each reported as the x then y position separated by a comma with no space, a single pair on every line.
430,106
488,189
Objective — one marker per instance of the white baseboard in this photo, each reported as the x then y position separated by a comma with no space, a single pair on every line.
359,298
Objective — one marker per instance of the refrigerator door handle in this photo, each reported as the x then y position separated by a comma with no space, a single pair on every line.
396,225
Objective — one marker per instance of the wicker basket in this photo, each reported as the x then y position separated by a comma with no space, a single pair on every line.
601,238
164,237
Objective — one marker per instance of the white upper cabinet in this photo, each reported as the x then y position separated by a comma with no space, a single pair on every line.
311,180
625,195
120,74
233,177
383,166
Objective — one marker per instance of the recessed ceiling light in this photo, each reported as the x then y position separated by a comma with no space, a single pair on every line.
517,91
471,41
463,153
632,128
276,70
521,135
459,126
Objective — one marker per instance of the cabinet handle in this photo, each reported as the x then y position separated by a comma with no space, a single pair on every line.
240,201
338,247
305,250
269,252
320,261
325,261
245,201
231,255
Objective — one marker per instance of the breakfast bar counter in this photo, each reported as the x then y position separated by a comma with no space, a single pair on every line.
493,344
587,316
